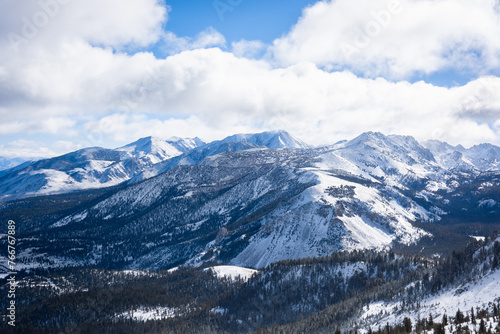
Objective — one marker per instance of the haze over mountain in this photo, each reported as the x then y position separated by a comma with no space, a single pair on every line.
7,163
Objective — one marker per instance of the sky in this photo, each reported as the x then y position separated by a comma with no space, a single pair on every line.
76,74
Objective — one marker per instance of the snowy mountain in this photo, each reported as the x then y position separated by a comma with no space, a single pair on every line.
269,139
483,157
242,204
89,168
239,142
360,235
156,150
184,145
7,163
147,157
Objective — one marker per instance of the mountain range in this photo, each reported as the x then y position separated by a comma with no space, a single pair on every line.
7,163
96,167
249,200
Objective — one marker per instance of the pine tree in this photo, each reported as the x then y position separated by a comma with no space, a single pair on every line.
407,325
445,320
472,317
482,327
430,322
459,317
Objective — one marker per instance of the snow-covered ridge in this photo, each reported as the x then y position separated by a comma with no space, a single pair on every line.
370,153
93,168
269,139
90,168
250,205
7,163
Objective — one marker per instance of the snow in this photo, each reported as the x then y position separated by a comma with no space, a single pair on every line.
366,233
136,273
473,294
311,221
65,221
219,310
487,203
145,314
153,148
233,272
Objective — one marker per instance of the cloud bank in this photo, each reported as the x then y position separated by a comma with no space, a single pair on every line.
78,70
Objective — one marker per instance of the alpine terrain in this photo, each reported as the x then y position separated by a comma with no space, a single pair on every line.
366,235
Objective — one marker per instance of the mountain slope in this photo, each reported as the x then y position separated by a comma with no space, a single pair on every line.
239,142
89,168
246,205
364,291
248,208
92,168
269,139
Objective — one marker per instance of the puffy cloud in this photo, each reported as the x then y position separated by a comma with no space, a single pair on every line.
121,127
482,101
248,49
27,149
110,23
395,38
51,125
207,38
64,77
211,93
212,89
59,56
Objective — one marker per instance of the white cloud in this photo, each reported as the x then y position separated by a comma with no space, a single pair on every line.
226,94
56,83
51,125
25,149
110,23
123,128
229,94
395,38
205,39
248,49
482,101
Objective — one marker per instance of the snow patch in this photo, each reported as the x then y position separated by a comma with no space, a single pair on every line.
233,272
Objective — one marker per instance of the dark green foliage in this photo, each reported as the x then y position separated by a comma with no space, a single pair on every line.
407,324
342,191
320,295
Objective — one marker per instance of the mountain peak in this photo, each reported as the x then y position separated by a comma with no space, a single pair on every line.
269,139
185,144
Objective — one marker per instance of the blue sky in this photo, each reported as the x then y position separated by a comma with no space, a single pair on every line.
263,20
107,72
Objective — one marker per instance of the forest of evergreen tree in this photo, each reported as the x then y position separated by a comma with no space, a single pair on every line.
312,295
